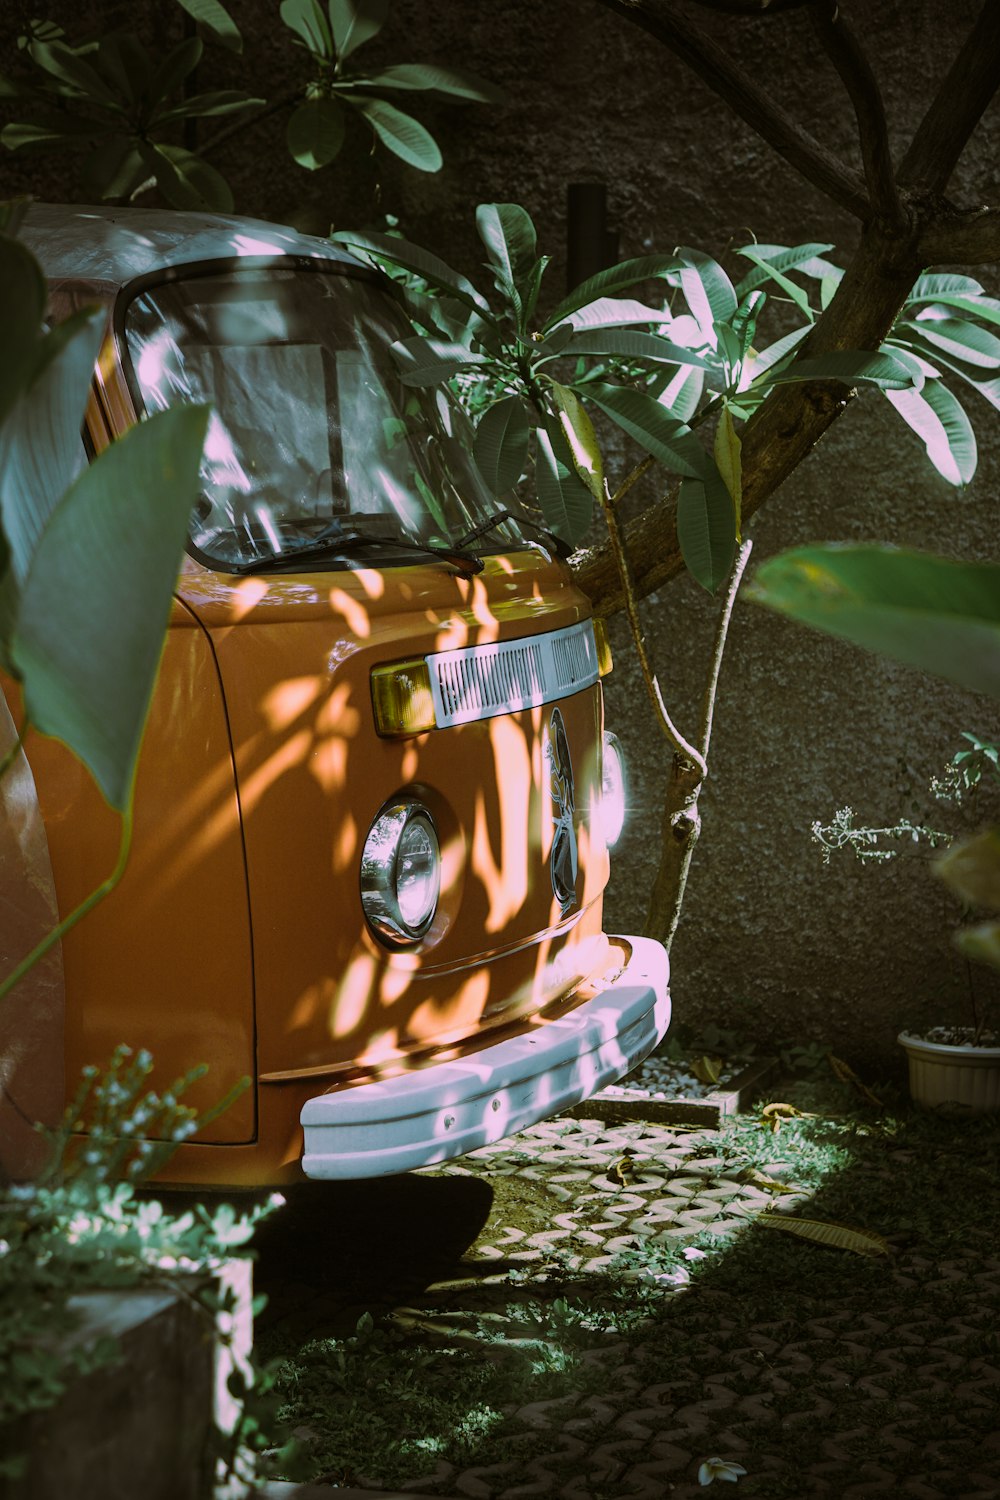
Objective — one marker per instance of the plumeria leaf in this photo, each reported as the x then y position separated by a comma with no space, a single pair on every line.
727,451
959,339
187,180
927,611
821,1232
454,83
849,366
385,248
707,289
401,134
581,439
431,361
216,20
563,499
509,236
615,279
501,444
652,427
971,869
772,270
939,420
611,312
631,344
63,63
772,260
706,530
315,132
355,22
306,19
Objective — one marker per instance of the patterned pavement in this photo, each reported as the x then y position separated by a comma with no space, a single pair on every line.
923,1412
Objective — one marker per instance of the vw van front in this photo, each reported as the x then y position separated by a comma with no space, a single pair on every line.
376,765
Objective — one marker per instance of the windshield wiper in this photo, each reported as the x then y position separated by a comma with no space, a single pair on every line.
561,548
342,544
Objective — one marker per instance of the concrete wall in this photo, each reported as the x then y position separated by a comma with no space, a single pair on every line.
771,942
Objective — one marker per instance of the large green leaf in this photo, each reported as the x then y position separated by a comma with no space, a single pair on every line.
938,615
707,289
987,309
781,349
846,365
114,169
454,83
431,361
924,354
681,394
580,438
200,106
22,302
501,444
315,132
774,272
565,502
401,134
75,74
95,602
125,63
509,236
615,279
398,252
49,128
652,427
178,64
959,339
631,344
610,312
355,22
939,420
306,19
706,530
187,180
934,285
216,20
771,259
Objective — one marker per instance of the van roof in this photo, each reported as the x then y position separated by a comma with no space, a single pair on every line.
114,245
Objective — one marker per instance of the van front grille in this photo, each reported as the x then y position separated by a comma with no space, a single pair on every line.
480,682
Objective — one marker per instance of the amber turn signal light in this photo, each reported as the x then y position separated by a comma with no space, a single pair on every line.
402,698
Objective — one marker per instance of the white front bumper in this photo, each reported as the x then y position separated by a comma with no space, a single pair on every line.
447,1109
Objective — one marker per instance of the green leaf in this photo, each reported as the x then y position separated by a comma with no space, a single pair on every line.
454,83
125,63
396,252
115,169
355,22
706,530
926,357
744,324
200,106
41,448
62,63
186,180
89,672
769,259
631,344
972,869
179,63
940,422
771,270
565,503
959,339
216,20
581,439
501,444
935,285
727,451
615,279
431,361
987,309
306,19
929,612
315,132
50,129
509,236
682,393
22,302
401,134
707,289
781,349
652,427
846,365
610,312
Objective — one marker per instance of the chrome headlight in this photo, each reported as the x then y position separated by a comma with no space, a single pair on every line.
401,873
612,790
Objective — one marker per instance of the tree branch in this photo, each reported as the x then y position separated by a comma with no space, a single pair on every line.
859,80
795,145
970,238
971,82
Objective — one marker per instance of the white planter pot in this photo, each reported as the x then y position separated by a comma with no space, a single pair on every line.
963,1078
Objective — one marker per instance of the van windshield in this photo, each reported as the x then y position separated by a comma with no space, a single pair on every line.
312,433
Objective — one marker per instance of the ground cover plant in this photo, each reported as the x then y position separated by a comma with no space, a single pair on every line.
784,1356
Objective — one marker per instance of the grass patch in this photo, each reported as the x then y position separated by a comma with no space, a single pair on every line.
795,1355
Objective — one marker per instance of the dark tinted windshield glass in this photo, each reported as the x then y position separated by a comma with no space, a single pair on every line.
312,434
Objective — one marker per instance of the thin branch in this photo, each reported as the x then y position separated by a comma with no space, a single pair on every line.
971,239
670,730
845,52
971,82
762,113
719,645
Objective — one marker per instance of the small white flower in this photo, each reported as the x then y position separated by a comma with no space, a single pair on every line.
719,1468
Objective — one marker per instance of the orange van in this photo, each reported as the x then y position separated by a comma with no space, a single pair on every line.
376,796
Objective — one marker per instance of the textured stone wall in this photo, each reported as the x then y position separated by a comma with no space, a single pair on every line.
771,942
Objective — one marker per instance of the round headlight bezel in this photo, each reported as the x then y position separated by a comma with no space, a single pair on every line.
383,868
